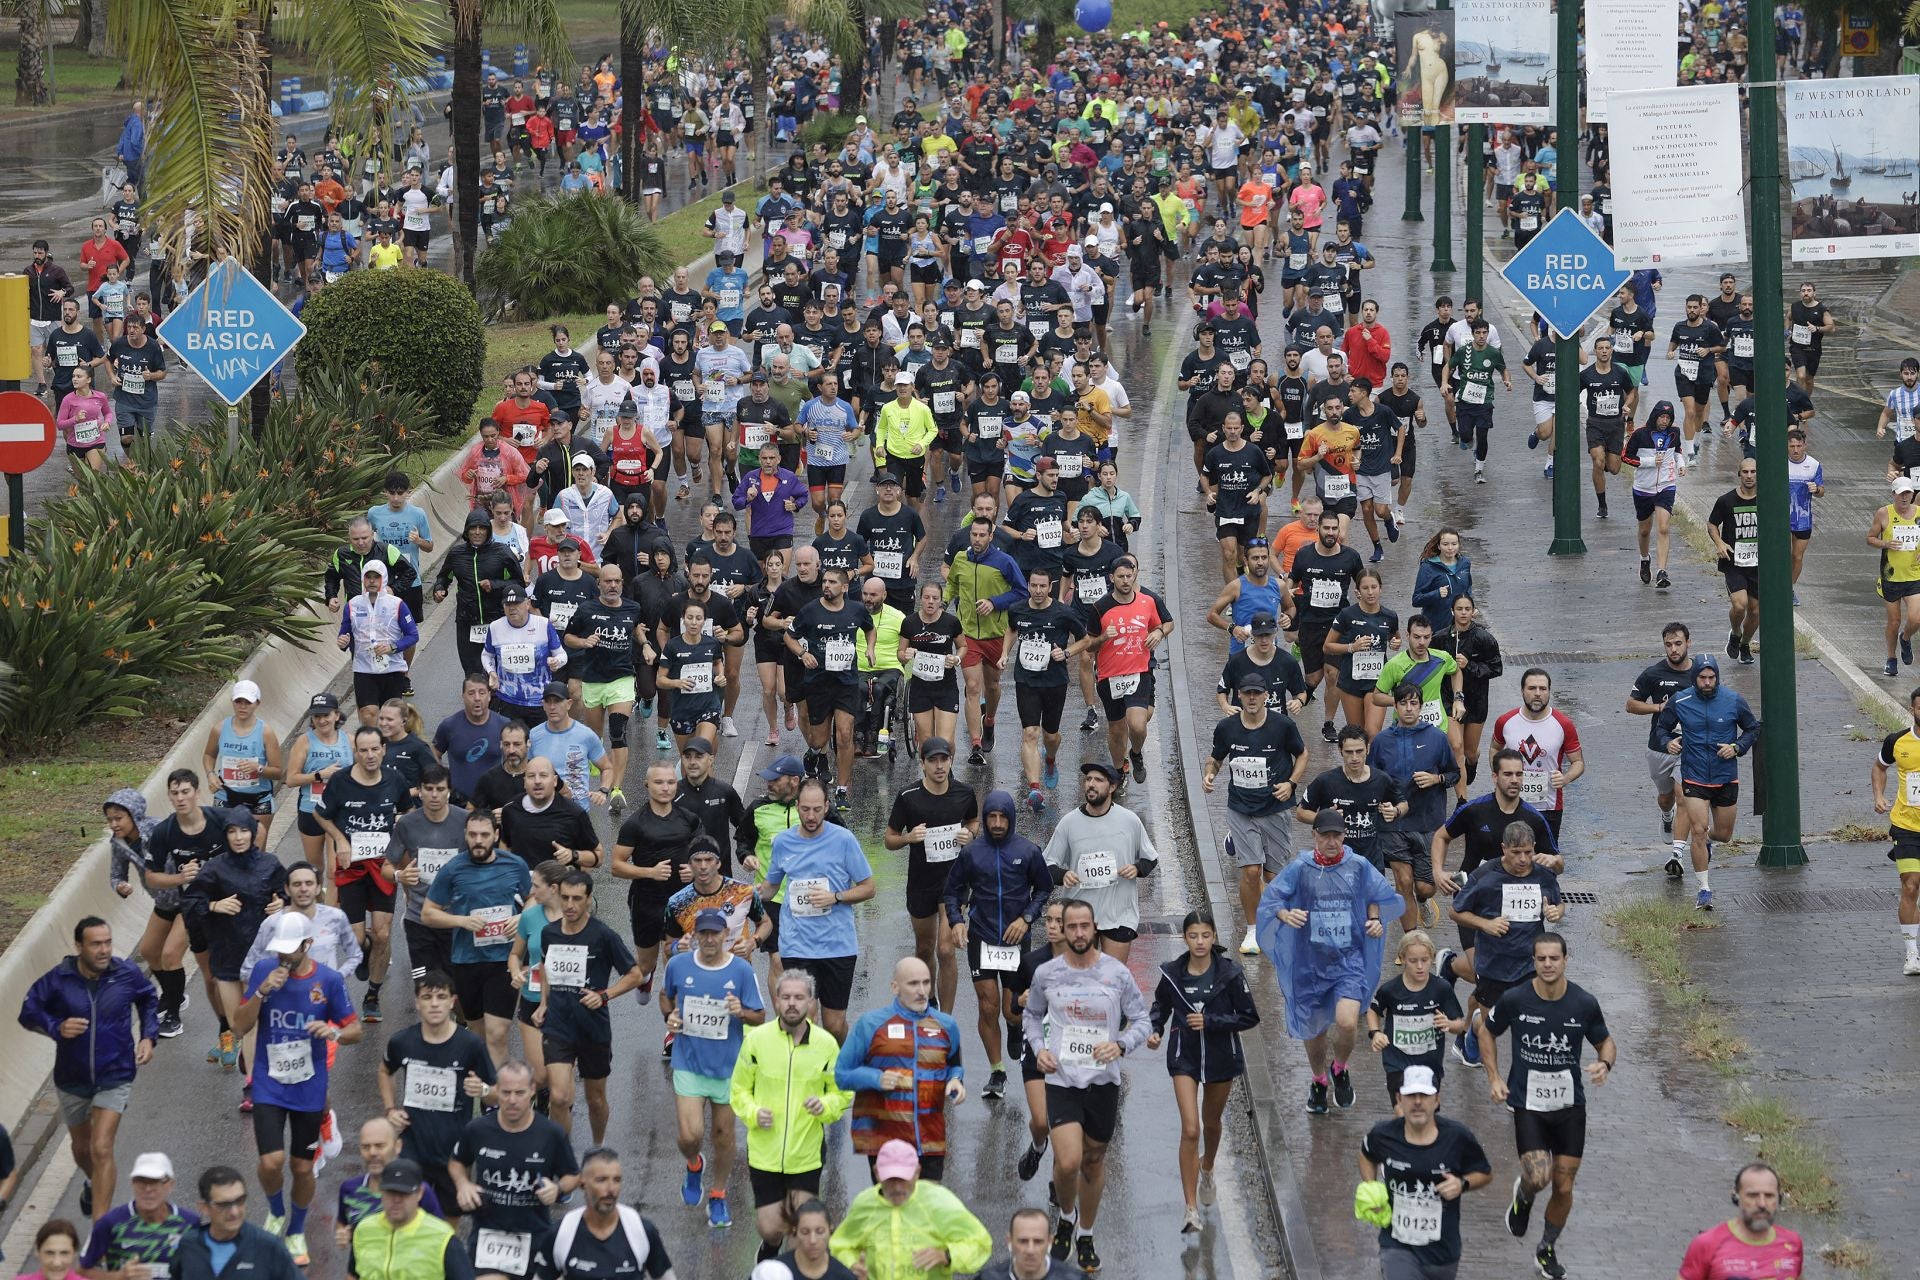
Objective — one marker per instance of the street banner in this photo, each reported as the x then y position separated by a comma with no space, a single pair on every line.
1423,67
1853,150
1630,45
1678,197
1504,60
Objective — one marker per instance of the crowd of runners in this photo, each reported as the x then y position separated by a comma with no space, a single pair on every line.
758,461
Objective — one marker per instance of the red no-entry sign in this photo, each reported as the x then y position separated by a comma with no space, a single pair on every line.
26,432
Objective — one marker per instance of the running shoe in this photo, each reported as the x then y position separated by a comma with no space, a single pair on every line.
728,729
1036,799
940,494
1030,1161
1703,901
1139,763
996,1084
1662,581
86,1197
1204,1192
1050,777
1191,1223
1549,1265
1547,471
370,1007
1062,1239
617,802
644,992
1666,821
1250,945
976,756
841,800
1466,445
1090,721
171,1026
297,1246
1912,967
229,1052
1343,1089
662,741
1084,1255
1441,960
690,1184
1733,644
219,1046
1430,913
1519,1212
1379,554
246,1099
1466,1048
1906,650
1317,1099
1746,653
276,1224
1600,500
1533,439
717,1215
1479,473
1891,669
1674,868
1393,528
1646,570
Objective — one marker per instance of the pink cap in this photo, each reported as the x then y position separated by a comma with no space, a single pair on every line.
897,1159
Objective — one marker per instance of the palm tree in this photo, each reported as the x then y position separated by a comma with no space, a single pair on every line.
30,88
685,26
1047,17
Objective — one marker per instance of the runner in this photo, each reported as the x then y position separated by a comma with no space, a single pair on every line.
1896,532
933,820
902,1062
1420,760
1900,753
651,853
829,874
1411,1016
358,812
509,1168
1415,1168
983,583
243,752
479,898
1658,461
1548,743
1747,1244
602,1237
146,1230
904,1226
1255,747
432,1076
580,958
1734,526
708,996
1708,728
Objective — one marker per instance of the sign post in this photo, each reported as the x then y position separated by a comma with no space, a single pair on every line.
1567,449
26,440
1566,273
232,331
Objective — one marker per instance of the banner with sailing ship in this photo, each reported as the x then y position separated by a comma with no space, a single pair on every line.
1504,60
1853,166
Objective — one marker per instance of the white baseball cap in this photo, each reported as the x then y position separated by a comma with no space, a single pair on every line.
246,690
154,1166
291,930
556,516
1418,1080
903,379
1904,485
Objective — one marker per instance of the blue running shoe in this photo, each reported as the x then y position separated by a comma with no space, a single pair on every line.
717,1215
690,1186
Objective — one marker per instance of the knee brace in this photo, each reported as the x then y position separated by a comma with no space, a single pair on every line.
616,729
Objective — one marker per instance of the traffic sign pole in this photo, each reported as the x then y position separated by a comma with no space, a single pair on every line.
1412,133
1443,187
1780,844
1567,540
1476,214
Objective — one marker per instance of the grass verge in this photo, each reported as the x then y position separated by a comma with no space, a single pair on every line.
1785,1141
1849,1254
1650,931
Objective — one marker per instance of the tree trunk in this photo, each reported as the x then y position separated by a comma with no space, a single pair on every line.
30,79
633,102
90,33
997,47
260,399
853,72
1045,41
467,80
760,128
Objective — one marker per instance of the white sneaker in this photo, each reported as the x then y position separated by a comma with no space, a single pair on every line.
727,728
1912,969
1250,945
1203,1192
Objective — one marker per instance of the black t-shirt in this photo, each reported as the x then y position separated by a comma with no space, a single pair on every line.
722,617
1046,516
409,755
497,788
1738,520
1354,622
824,631
1358,802
1321,580
1282,674
135,363
1802,316
1545,1053
1658,683
591,1258
655,839
836,1269
941,389
1481,821
1056,626
891,539
508,1166
843,553
1423,1224
1235,473
533,835
1606,395
1256,760
429,1081
69,351
1692,343
1091,571
732,568
571,963
1493,891
612,658
793,595
944,816
358,808
558,598
1407,1018
941,636
169,848
1379,431
1632,335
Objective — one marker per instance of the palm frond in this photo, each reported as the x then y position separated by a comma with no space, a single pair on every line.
368,49
685,26
211,145
538,22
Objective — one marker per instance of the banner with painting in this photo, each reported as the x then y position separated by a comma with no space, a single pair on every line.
1678,199
1504,59
1853,153
1423,67
1630,45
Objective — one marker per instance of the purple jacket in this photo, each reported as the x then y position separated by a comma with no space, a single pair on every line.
767,515
101,1057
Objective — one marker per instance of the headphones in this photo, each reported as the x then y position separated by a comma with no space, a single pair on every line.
1736,1200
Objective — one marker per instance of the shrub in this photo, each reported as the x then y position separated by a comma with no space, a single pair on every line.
568,253
830,128
420,329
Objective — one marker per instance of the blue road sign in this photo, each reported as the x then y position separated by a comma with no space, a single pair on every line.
232,331
1566,273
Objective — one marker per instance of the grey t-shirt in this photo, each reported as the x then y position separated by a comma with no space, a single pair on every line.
1095,849
417,836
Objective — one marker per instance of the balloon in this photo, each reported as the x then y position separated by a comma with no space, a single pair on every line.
1093,15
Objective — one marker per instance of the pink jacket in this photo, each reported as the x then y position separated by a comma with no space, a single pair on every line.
85,419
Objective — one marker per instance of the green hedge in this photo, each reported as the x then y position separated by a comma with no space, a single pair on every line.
419,329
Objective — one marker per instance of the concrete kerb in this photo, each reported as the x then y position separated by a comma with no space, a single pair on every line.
1256,1093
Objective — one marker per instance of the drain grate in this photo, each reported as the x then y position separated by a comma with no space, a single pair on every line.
1580,897
1522,660
1819,900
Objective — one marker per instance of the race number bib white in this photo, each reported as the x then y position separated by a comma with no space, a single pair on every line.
729,297
1077,1045
477,634
1124,686
1036,653
1439,353
1606,404
1416,1219
799,900
1473,393
562,614
87,432
1529,222
565,965
1296,431
704,1018
1803,335
1689,368
1324,593
988,425
290,1061
1369,663
698,677
1910,787
1330,928
368,845
1240,359
1090,589
1335,485
493,925
1906,537
1298,262
969,337
239,770
1743,345
943,843
998,958
943,402
1534,787
430,1088
754,434
1746,554
1549,1090
929,666
1415,1036
134,382
1248,772
507,1252
981,244
839,655
516,659
1047,534
1521,903
1097,869
1432,713
889,564
1072,465
1548,381
429,861
1038,328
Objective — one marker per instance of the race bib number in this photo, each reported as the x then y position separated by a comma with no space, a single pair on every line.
1072,465
1240,358
704,1018
969,337
1432,713
1036,652
565,965
1324,593
698,677
1743,345
69,358
929,666
943,843
1047,533
987,426
517,659
996,958
1906,537
799,901
290,1061
1330,928
1910,788
1689,368
1248,772
943,402
1803,335
1746,554
1606,404
562,614
1549,1090
889,564
1098,869
368,845
1077,1045
430,1088
87,432
839,655
1091,589
1529,222
1439,353
1415,1036
981,244
755,434
1298,262
493,925
1369,663
1335,485
429,861
1416,1219
477,634
1124,686
1296,431
135,383
1520,903
1549,381
1473,392
239,770
1534,787
503,1251
729,298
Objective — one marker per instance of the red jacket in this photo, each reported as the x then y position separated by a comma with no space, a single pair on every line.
1368,350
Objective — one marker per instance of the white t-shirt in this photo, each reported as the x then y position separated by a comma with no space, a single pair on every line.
417,204
1460,334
